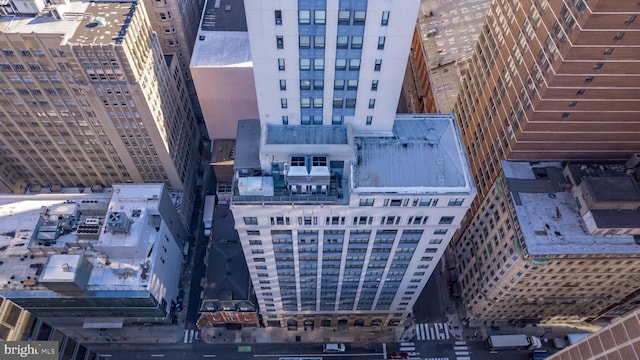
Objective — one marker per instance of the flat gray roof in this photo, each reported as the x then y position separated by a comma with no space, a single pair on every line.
247,153
424,155
79,22
21,220
224,15
549,217
307,134
223,40
116,18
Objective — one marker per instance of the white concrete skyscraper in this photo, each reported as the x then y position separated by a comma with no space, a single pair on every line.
330,62
343,207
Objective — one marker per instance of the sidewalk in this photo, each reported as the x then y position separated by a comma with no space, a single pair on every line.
213,335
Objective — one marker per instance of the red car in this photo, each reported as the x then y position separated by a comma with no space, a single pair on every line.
399,355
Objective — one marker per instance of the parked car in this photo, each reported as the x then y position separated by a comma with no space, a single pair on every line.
333,348
540,354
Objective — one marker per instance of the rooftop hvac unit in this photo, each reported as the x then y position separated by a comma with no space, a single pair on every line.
118,222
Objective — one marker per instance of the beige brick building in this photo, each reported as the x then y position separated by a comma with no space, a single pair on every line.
88,97
531,254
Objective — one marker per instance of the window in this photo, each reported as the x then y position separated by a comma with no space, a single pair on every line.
344,17
350,103
359,17
281,64
305,84
319,17
446,220
565,115
304,17
352,84
608,51
280,42
318,84
250,220
356,42
338,85
374,85
338,103
385,18
354,64
369,120
378,65
337,120
573,103
455,202
283,84
435,241
381,41
580,92
372,103
305,64
439,231
278,16
630,19
304,41
318,64
366,202
619,35
305,102
598,66
283,103
285,120
318,41
342,42
588,79
317,103
341,64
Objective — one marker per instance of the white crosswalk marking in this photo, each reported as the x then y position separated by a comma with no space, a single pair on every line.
188,336
460,348
407,348
439,358
435,331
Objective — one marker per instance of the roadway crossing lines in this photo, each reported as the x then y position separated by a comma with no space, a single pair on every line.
436,331
190,335
462,351
439,358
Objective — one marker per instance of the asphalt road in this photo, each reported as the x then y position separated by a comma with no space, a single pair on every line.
237,352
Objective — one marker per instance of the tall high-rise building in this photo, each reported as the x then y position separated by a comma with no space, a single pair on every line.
330,62
176,25
88,97
619,340
343,207
548,80
552,80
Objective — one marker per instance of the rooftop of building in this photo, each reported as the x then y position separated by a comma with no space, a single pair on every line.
81,22
45,234
424,155
307,134
247,154
228,279
549,216
223,40
223,152
449,31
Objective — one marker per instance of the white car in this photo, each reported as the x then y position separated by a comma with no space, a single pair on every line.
333,348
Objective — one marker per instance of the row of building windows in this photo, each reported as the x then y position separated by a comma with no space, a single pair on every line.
342,42
318,64
345,17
